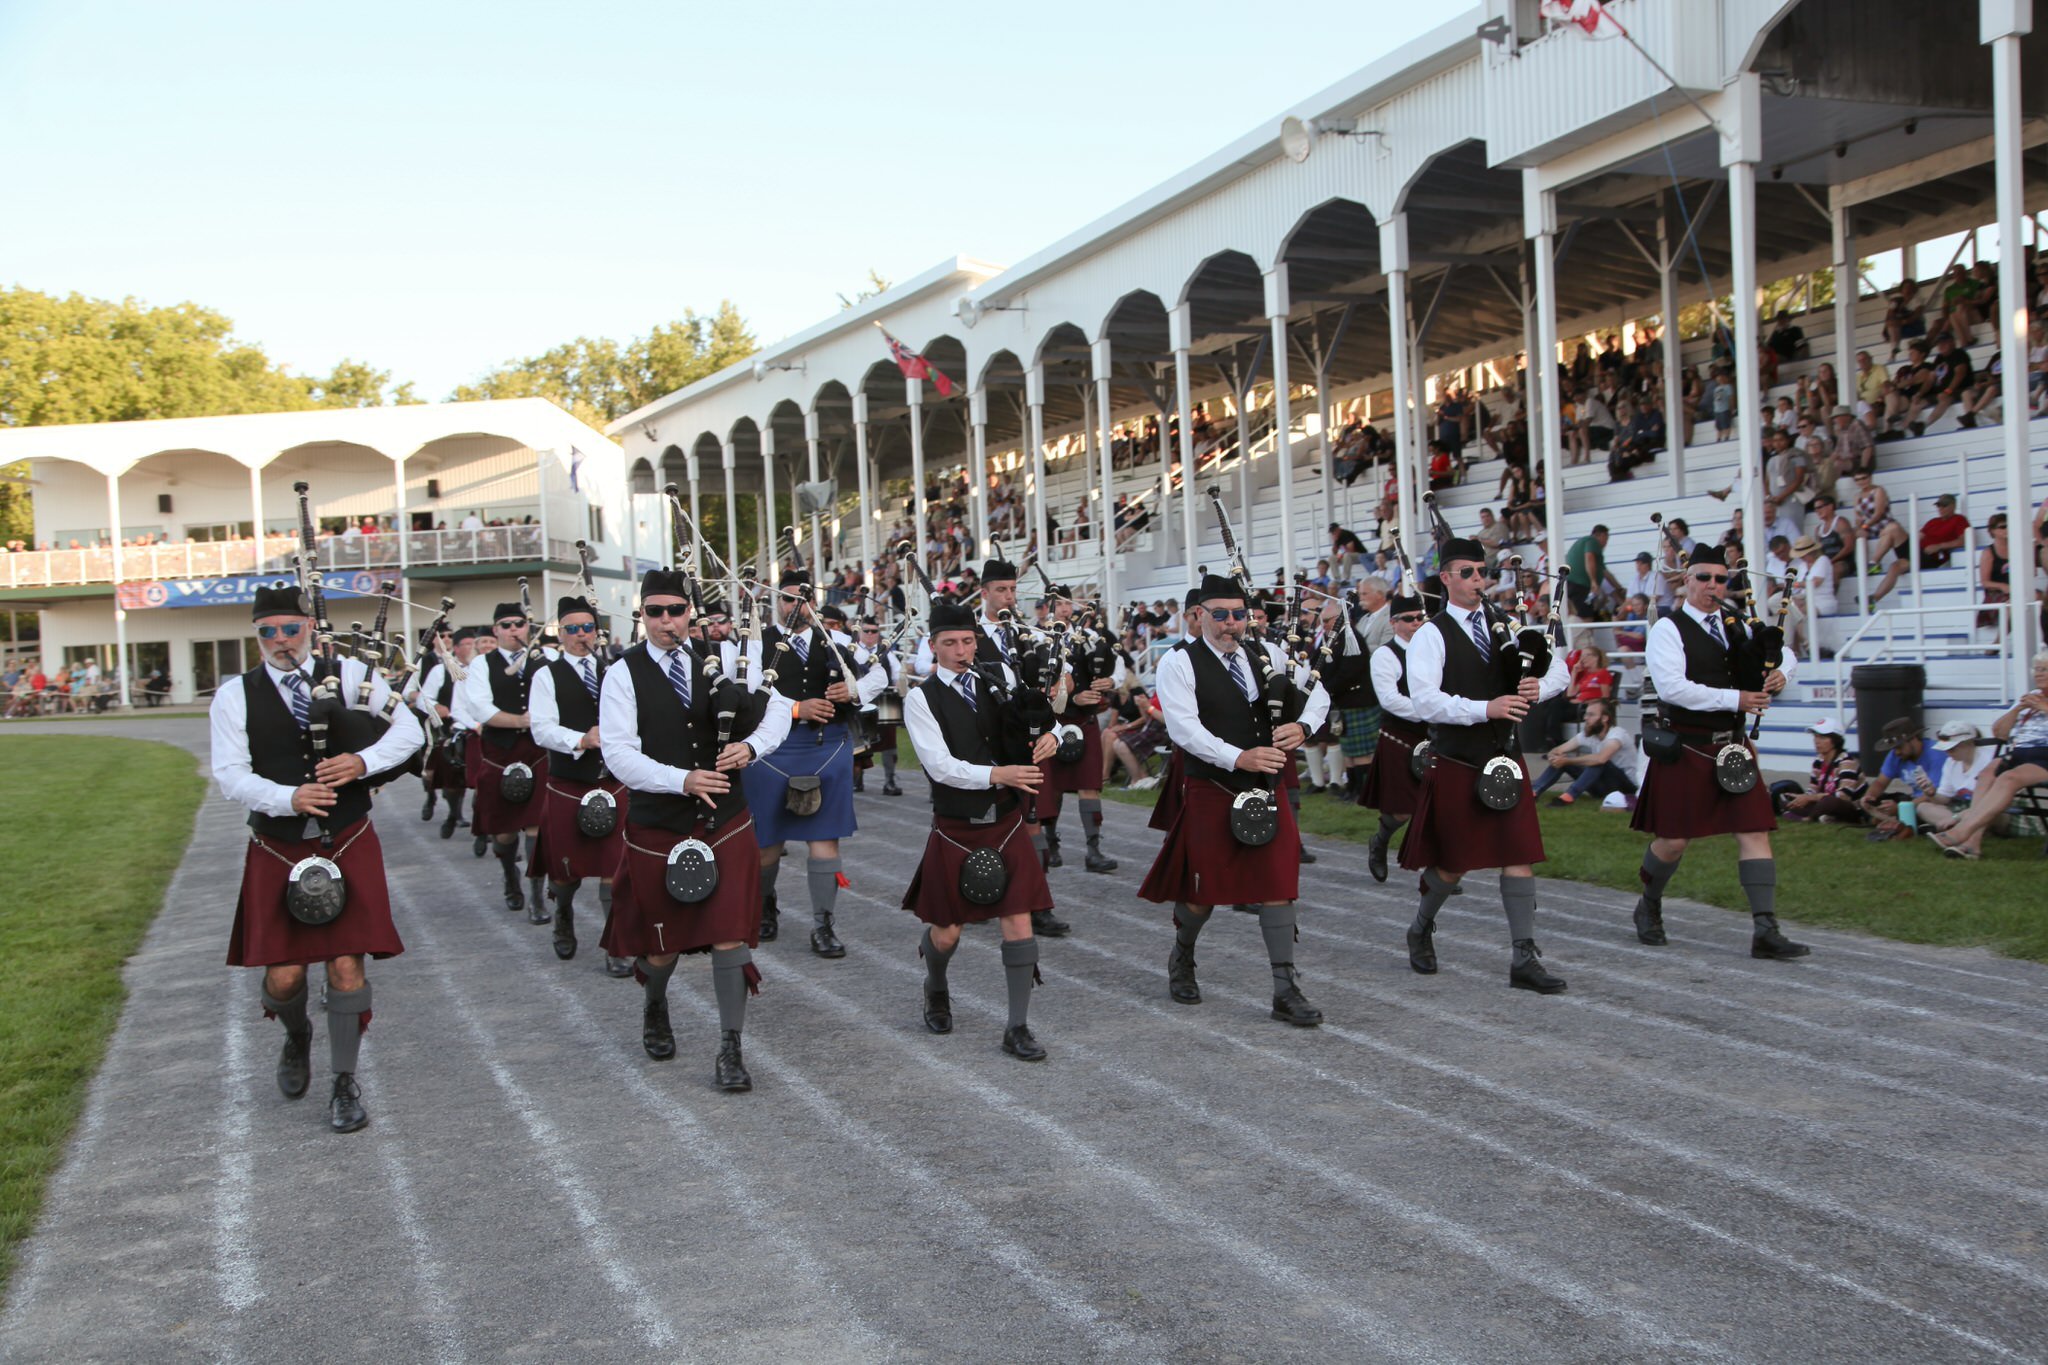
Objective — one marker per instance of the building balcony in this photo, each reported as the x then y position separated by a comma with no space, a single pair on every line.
488,549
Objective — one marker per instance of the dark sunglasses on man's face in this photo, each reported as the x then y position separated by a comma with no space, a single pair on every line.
290,632
655,613
1710,578
1238,615
1412,619
512,623
586,628
1466,571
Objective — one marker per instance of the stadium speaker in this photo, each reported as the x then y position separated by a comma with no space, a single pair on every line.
433,488
816,497
163,502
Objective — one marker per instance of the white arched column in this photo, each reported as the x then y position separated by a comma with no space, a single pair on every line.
1539,223
1741,149
868,510
811,456
732,510
120,613
1277,304
2003,23
977,493
404,532
1105,519
913,392
1394,262
696,514
1178,326
771,553
1034,399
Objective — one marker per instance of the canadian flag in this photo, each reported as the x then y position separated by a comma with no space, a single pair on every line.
1589,15
915,366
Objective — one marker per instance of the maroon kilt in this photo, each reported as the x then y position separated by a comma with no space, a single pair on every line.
934,894
472,760
1390,785
646,919
1201,863
1166,809
494,814
1454,832
1681,800
265,934
442,773
1084,774
566,852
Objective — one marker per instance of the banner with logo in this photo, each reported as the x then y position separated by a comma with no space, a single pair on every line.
238,590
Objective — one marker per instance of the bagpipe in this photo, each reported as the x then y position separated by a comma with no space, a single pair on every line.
1024,712
739,701
1753,655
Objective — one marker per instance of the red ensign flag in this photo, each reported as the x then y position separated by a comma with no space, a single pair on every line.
915,366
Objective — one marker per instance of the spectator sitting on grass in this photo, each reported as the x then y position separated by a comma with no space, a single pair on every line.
1830,795
1598,759
2025,764
1967,766
1911,773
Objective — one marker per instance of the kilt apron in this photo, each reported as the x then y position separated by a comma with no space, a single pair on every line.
566,852
265,934
823,752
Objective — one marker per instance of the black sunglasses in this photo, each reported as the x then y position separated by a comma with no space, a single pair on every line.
584,629
290,632
1413,619
512,623
1238,615
1710,577
1468,571
655,613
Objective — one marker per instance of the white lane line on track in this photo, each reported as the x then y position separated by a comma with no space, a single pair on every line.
445,1322
585,1209
1353,1187
234,1261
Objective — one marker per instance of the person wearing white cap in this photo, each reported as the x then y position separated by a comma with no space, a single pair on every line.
1830,793
2024,764
1967,762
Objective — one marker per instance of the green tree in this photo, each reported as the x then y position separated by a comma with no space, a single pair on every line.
17,512
876,285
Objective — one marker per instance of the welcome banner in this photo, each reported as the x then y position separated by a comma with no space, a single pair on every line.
239,589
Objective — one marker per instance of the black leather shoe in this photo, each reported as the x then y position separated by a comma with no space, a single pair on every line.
448,825
427,811
293,1072
1649,923
1052,850
1376,858
825,943
617,966
345,1112
1180,975
1422,949
1018,1042
655,1034
515,899
537,911
938,1011
1097,861
565,932
1306,856
1046,924
1772,945
859,785
1527,973
729,1071
890,788
483,841
1290,1006
771,920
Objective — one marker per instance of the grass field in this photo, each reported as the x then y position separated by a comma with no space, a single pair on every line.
90,831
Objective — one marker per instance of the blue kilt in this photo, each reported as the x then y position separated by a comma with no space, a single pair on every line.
824,752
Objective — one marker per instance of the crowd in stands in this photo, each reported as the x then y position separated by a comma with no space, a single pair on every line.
30,691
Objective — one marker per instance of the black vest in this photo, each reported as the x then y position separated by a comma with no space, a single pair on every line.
577,711
798,678
446,696
280,752
986,651
678,738
1227,714
970,737
508,694
1350,681
1709,665
1469,674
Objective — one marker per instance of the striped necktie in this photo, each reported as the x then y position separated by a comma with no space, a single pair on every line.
1479,636
1237,674
1714,629
589,678
679,676
967,691
801,643
302,705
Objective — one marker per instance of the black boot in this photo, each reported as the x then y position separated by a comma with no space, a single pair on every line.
1180,975
537,901
1422,948
889,787
1306,856
1046,924
427,811
729,1071
824,942
655,1034
1018,1042
293,1071
1527,974
859,780
345,1112
771,920
1649,918
1766,942
617,966
1097,860
1290,1006
515,899
565,922
1052,847
938,1010
454,818
1376,856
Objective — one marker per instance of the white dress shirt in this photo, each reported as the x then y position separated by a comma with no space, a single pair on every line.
475,690
430,688
545,712
1174,687
1386,681
866,687
618,726
1665,650
229,716
938,760
1433,705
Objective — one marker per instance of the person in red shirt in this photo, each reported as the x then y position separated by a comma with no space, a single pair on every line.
1592,679
1942,536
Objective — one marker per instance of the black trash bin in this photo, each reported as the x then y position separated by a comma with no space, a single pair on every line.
1884,692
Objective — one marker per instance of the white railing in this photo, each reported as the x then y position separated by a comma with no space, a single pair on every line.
215,559
1918,648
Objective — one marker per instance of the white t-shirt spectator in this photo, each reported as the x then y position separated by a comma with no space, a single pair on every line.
1625,758
1957,783
472,522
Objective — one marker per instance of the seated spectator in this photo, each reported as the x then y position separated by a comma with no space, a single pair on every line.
1961,305
1443,467
1912,388
1813,597
1836,535
1880,532
1953,377
1968,763
1777,566
1943,533
1873,381
1787,339
1903,319
1631,636
1599,759
2024,764
1911,772
1591,679
1787,476
1994,570
1855,448
1721,402
1493,533
1831,793
1641,434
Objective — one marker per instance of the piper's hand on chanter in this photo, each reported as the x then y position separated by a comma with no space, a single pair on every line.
1263,758
1774,682
1756,703
838,691
706,784
816,710
1510,707
1087,696
737,754
1289,736
1044,747
340,770
313,799
1022,777
1530,690
589,739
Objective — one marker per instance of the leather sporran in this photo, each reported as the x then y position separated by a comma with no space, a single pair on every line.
515,784
804,796
1073,745
1735,769
1660,741
315,893
1254,818
1500,783
597,814
692,873
984,877
1419,759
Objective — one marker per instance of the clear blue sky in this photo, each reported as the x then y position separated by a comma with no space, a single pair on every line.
436,187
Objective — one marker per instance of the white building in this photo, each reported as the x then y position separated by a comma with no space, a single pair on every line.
460,500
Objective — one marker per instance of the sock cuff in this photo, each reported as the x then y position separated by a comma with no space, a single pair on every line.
1182,908
1757,871
274,1004
1653,864
1021,952
1517,884
730,959
1277,916
349,1002
828,865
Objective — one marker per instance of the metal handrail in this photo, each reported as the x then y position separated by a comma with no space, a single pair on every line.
272,553
1917,641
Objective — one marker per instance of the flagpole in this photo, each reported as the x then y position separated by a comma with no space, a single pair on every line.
1655,65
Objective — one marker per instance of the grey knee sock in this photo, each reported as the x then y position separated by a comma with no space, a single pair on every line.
1656,874
656,984
1276,923
935,960
1091,819
889,765
604,898
1189,922
729,979
533,868
768,876
345,1011
1390,825
1435,891
1038,841
1518,898
291,1013
1759,878
1020,970
823,876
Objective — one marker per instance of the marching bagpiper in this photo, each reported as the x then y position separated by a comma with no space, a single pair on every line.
673,731
508,786
1710,668
1391,786
978,861
582,826
313,885
1232,842
1097,672
870,653
440,690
